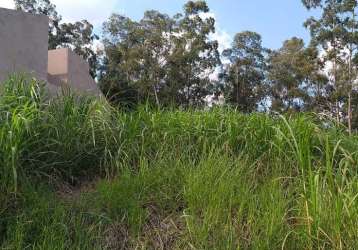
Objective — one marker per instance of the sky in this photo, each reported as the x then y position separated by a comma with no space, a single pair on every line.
275,20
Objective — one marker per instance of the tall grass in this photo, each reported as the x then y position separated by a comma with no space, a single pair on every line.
76,173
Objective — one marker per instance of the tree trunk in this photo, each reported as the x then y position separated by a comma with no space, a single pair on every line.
237,86
335,82
350,113
156,95
350,78
349,89
335,72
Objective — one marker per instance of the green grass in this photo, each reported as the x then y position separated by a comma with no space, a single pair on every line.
76,173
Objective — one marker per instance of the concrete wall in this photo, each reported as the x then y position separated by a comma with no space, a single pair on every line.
57,70
79,76
66,69
24,48
23,43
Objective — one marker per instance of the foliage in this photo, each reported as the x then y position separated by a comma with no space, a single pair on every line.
76,173
296,81
336,33
246,72
160,59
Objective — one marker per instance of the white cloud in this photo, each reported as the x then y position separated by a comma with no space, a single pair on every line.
206,15
9,4
95,11
224,39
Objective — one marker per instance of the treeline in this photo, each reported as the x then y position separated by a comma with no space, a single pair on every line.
173,60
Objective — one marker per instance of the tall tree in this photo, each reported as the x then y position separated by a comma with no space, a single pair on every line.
336,33
294,75
79,35
162,58
194,55
119,71
348,10
246,72
139,50
155,51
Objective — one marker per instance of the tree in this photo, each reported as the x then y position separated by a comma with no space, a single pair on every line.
327,34
162,58
139,51
155,51
295,77
119,71
194,56
350,55
78,36
336,33
246,72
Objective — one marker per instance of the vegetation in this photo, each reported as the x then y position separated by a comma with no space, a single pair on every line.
148,167
159,59
79,174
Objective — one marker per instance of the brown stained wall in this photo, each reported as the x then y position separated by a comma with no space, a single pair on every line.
57,70
23,43
66,69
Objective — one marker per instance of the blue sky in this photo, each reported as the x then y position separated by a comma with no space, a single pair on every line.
275,20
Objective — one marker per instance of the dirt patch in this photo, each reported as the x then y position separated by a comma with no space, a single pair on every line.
162,231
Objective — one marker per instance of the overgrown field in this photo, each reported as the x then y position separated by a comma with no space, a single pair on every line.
77,174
